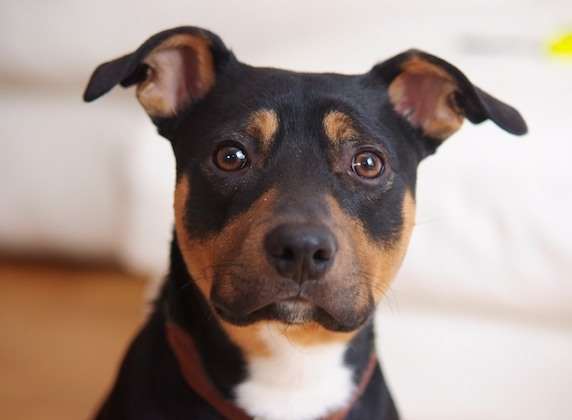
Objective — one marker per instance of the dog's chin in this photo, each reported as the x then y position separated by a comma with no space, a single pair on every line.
293,311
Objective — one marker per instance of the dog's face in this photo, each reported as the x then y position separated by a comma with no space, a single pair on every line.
295,204
295,192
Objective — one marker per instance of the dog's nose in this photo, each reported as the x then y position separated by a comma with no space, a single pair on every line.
301,251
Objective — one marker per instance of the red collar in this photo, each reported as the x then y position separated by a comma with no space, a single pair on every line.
191,367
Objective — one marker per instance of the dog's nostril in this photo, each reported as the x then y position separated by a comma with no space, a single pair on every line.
287,254
322,255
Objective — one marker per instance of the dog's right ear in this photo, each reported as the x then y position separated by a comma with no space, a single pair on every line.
172,70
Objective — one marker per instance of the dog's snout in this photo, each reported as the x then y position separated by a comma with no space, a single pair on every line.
301,251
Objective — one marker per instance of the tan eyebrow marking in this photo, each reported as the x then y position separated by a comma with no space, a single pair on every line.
263,125
339,127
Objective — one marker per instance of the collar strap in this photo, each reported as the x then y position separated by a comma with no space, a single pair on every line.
189,361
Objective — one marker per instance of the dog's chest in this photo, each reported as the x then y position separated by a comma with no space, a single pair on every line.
294,382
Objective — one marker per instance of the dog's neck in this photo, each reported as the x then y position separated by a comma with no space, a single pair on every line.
317,377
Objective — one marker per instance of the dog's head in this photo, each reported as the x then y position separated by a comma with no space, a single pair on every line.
295,192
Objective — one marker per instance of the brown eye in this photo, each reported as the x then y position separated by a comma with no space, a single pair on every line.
230,158
368,165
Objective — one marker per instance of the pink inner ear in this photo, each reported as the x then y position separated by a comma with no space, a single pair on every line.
181,70
425,99
167,85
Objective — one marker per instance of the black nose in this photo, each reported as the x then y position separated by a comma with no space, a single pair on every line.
301,251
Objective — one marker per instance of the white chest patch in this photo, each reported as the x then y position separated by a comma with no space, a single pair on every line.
295,383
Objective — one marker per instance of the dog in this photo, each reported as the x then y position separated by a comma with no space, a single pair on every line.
294,205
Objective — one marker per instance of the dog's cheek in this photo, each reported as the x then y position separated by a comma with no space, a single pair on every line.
198,255
224,257
203,256
384,260
371,265
348,296
241,280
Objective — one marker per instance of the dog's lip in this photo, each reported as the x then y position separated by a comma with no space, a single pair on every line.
295,300
321,315
292,300
293,303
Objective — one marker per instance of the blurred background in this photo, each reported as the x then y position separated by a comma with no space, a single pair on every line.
478,324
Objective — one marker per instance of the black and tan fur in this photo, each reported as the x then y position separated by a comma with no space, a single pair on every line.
301,133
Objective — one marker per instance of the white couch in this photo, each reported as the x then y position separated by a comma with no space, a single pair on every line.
478,324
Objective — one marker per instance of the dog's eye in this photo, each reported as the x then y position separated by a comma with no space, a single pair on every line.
368,164
230,158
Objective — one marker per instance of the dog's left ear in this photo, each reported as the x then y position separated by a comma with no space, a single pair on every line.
172,69
435,97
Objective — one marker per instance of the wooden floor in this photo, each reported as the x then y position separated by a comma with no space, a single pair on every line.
62,333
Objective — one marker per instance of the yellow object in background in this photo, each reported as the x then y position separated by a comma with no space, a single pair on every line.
561,46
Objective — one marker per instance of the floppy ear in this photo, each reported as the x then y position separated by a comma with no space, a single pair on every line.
172,69
435,97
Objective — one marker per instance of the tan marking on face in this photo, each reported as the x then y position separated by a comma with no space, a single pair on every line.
312,334
379,263
201,255
423,93
339,127
390,261
181,69
247,338
303,335
263,125
192,251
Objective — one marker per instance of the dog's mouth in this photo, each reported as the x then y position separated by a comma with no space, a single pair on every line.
290,311
293,311
332,302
